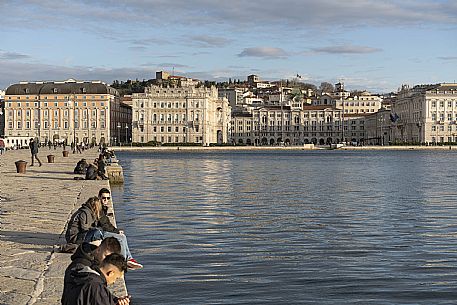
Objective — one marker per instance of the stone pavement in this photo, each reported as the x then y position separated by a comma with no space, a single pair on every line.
34,209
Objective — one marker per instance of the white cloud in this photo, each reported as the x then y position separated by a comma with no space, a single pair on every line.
5,55
346,49
264,52
209,41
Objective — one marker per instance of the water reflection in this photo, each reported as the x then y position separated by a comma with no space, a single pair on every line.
291,227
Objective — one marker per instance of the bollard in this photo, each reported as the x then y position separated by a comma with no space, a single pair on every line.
51,158
65,153
21,166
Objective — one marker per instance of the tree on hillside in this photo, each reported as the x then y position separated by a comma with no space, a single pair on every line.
326,87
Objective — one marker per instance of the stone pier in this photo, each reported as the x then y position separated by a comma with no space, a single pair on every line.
34,209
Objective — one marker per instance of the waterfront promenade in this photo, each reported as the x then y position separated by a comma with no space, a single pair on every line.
34,209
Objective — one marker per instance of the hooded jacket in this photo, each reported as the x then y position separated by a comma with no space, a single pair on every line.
83,257
88,287
80,222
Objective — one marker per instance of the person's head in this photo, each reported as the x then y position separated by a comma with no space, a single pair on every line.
95,205
31,140
104,195
108,246
113,267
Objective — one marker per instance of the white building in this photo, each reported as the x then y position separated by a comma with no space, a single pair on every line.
426,114
276,125
180,114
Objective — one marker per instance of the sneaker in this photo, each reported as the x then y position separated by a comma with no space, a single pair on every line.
133,264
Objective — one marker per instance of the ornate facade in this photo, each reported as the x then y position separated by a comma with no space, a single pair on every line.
180,114
276,125
426,114
65,111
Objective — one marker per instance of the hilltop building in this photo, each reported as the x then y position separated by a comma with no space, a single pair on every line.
2,113
65,111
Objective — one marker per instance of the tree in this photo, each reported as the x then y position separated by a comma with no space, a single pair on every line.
326,87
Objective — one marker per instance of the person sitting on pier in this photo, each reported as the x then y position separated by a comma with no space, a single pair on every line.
89,254
89,285
106,229
85,218
92,172
81,167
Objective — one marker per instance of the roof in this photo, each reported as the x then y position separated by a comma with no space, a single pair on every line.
64,87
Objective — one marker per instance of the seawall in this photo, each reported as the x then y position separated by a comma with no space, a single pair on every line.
34,209
275,148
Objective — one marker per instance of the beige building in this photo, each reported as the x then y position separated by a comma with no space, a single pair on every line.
426,114
275,125
182,113
65,111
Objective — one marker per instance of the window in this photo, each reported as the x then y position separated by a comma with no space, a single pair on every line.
433,104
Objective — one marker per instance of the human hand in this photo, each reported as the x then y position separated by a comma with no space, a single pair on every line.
125,300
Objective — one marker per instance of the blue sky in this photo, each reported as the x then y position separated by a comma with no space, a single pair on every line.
369,44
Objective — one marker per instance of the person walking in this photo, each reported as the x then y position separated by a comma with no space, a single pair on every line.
34,151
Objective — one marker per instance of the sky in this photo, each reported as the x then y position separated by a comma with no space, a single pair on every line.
367,44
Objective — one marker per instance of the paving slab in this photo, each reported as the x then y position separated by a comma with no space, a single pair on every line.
34,209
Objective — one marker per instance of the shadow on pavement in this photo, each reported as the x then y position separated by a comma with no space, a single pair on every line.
30,238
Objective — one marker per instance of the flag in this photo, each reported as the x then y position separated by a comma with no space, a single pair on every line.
394,117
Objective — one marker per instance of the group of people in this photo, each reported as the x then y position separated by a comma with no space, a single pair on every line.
92,171
101,257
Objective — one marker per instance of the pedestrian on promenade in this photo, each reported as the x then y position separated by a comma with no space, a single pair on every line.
89,254
85,218
2,147
90,284
107,229
34,151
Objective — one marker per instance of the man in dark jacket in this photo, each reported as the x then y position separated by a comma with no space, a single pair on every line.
34,151
105,196
90,284
81,167
89,254
92,172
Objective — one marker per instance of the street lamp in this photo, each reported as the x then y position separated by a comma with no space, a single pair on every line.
73,101
119,133
126,133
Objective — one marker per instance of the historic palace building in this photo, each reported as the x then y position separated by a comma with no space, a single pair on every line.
180,110
67,111
276,125
425,114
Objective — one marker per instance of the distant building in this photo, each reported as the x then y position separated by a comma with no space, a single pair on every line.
425,114
180,113
364,102
65,111
233,95
2,113
276,125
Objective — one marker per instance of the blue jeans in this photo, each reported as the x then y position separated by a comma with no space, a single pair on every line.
97,234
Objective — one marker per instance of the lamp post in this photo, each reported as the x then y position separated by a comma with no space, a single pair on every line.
73,101
119,133
126,133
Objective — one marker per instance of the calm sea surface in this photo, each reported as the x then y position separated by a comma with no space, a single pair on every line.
291,227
